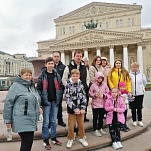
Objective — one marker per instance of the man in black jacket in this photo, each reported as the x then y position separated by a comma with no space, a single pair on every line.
59,66
77,63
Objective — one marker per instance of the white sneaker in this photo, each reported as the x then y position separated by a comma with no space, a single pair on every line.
119,144
134,124
102,131
83,142
97,133
115,145
69,143
140,123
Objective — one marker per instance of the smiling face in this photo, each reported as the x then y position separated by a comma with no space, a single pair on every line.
26,76
118,64
104,63
50,66
75,77
98,61
134,68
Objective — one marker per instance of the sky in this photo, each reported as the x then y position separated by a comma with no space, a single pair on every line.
25,22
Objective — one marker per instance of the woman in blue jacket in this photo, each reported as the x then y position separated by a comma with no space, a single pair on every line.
21,108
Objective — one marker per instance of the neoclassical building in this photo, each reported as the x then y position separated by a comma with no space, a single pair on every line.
118,35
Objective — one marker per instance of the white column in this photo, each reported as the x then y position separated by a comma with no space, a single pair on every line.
140,56
86,53
51,53
63,57
111,55
73,51
98,52
125,57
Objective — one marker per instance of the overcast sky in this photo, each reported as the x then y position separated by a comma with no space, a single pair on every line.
24,22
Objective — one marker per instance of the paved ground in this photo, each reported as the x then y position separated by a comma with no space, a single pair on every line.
141,142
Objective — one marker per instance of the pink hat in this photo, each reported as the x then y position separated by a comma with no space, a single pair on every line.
121,84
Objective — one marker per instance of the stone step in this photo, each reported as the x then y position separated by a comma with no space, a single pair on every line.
101,143
61,131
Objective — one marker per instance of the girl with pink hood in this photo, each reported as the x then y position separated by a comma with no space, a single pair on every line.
97,92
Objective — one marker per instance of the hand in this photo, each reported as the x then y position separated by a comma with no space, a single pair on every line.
40,111
130,94
96,94
114,109
9,125
76,111
82,111
101,96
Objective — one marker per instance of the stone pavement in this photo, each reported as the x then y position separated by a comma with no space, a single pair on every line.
141,141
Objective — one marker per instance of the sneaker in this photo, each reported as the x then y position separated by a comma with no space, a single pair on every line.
86,120
55,141
75,134
83,142
102,131
119,144
85,137
70,143
46,144
134,123
140,123
115,145
97,133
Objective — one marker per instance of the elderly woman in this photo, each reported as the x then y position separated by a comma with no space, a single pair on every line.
138,89
95,67
21,108
105,65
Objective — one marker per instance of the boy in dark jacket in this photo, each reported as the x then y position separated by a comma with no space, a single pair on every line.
76,103
49,87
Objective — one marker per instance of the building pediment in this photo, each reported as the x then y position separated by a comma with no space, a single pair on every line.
97,8
95,36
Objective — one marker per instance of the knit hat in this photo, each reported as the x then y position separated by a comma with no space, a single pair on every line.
122,84
103,58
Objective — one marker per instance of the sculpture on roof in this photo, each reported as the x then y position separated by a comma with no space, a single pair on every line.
91,24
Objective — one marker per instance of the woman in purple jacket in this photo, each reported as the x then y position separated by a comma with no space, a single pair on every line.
115,108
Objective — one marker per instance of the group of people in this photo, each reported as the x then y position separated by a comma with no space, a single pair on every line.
113,92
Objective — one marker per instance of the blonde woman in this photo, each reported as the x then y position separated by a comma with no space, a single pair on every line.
138,89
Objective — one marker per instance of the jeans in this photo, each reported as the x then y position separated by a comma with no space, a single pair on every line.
26,140
114,130
49,120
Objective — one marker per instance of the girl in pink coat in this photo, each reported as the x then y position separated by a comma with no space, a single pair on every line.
97,92
115,108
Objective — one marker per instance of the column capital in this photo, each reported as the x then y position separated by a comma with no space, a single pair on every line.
62,51
125,45
139,44
111,47
98,48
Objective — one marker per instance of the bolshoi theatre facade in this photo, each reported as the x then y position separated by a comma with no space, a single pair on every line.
118,34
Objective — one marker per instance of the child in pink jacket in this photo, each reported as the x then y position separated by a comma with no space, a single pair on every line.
97,92
115,108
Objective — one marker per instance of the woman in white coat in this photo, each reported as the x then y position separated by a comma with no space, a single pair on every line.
138,88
